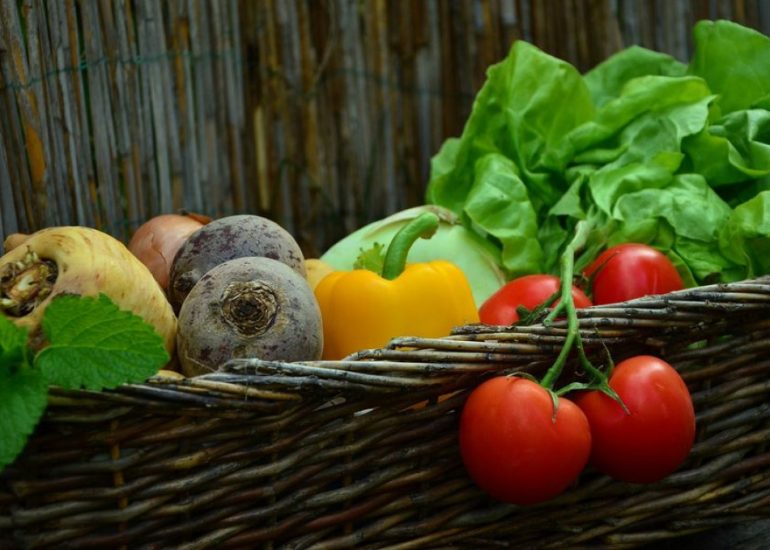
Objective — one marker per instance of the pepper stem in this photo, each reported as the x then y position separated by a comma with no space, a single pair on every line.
422,227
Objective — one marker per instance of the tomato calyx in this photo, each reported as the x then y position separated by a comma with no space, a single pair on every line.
599,381
602,386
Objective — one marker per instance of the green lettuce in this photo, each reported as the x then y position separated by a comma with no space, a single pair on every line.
529,103
645,147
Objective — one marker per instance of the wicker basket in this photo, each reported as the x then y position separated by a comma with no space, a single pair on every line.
335,454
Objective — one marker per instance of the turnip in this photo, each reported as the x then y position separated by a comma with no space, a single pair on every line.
226,239
248,307
81,261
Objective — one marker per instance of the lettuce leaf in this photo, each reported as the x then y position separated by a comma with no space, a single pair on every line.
683,102
498,204
735,149
606,81
528,104
745,238
734,61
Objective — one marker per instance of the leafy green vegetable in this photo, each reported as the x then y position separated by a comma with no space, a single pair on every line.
91,344
644,147
734,149
497,196
529,103
745,238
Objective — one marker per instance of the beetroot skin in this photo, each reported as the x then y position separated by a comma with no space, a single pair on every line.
248,307
226,239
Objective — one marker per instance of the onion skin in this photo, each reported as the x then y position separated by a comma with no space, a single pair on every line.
90,262
157,241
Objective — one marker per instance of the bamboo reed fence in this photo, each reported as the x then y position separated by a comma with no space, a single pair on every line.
322,115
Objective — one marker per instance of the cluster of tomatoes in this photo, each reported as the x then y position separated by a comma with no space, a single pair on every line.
523,445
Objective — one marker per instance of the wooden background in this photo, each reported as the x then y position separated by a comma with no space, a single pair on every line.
322,115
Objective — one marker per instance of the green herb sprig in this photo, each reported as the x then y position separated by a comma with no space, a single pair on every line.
90,344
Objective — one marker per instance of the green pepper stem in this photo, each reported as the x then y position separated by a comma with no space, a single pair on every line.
422,227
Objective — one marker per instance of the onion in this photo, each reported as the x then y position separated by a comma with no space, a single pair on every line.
157,241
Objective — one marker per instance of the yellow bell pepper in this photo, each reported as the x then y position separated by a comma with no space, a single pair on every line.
362,309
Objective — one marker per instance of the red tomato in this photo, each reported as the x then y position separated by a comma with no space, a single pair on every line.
529,291
511,446
656,437
629,271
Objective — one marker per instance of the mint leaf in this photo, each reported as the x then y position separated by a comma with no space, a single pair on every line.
96,345
23,398
13,344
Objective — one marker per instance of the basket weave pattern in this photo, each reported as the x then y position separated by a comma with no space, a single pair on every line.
335,454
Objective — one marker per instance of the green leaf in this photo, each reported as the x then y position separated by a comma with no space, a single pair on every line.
23,398
13,344
607,79
11,336
499,204
96,345
609,184
745,237
686,202
679,106
732,150
735,62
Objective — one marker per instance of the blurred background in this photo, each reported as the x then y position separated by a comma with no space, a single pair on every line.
322,115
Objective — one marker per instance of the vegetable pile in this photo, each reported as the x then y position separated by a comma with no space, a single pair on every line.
80,309
644,176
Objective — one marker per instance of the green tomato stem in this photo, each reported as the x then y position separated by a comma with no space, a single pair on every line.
567,303
567,262
557,309
422,227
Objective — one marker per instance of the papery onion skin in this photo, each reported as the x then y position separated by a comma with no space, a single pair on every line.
157,241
